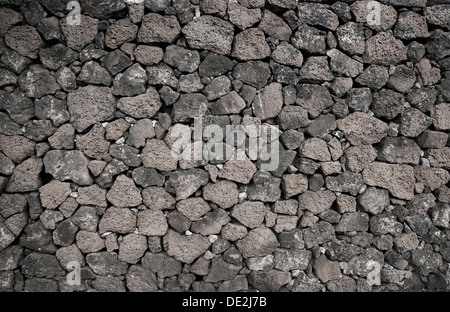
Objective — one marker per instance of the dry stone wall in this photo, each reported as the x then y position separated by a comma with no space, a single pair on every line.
103,102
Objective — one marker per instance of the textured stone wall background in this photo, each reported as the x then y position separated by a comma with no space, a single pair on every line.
87,114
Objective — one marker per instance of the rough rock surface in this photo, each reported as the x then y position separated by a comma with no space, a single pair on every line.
139,140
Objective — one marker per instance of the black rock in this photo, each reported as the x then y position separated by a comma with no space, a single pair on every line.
65,233
215,65
37,238
116,61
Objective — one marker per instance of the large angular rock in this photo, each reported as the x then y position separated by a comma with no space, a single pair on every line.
441,116
287,54
253,73
193,208
326,270
186,183
383,49
269,102
293,184
387,104
250,214
362,9
17,148
106,263
124,193
210,33
241,16
438,15
52,108
258,243
347,182
68,165
54,194
317,14
431,178
266,188
37,82
360,128
141,131
156,154
221,270
239,169
316,202
341,64
146,177
185,248
156,198
140,280
132,248
125,153
89,242
79,36
11,204
92,195
427,74
358,157
316,69
399,150
88,105
363,264
184,60
120,32
287,260
9,127
293,117
398,179
189,106
25,40
11,257
316,149
101,10
132,82
250,45
119,220
231,103
426,260
148,55
313,98
411,25
35,237
161,264
439,158
41,265
374,77
211,223
275,26
141,106
413,122
353,221
158,28
320,233
374,200
26,176
217,88
309,39
215,65
19,107
9,18
223,193
116,61
93,144
56,56
350,37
